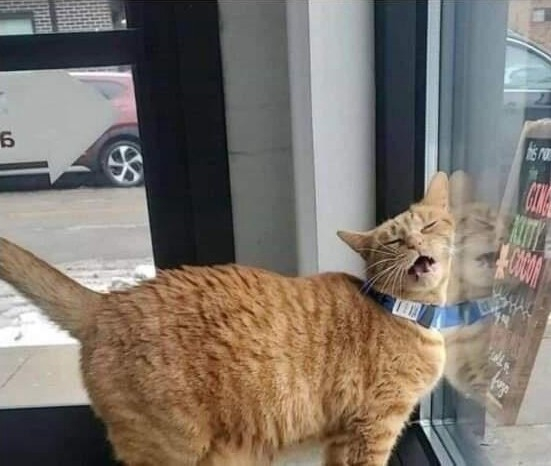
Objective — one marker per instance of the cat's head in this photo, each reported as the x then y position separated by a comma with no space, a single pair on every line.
476,242
409,256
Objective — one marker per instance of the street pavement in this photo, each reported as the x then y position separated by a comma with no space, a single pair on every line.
78,224
98,236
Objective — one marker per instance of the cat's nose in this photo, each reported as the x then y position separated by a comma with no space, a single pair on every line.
414,241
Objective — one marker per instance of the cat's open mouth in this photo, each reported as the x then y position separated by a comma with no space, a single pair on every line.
488,259
421,266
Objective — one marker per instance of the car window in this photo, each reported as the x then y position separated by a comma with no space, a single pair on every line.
109,89
525,69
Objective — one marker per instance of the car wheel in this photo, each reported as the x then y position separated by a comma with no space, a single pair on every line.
122,163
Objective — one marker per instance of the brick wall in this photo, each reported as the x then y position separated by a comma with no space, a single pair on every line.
520,20
83,15
72,15
39,9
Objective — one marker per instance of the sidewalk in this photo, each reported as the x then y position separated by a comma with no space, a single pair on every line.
528,443
22,324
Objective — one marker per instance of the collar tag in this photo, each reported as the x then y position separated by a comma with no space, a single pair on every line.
436,317
408,309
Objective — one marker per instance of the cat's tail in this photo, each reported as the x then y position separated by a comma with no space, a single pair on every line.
65,302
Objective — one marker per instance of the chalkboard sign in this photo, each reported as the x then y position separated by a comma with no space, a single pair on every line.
522,286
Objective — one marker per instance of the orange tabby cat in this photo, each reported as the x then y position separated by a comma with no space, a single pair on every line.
229,364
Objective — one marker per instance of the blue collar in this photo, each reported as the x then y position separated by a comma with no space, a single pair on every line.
437,317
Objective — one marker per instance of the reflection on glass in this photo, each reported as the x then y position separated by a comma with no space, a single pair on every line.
50,16
527,66
499,364
70,129
471,282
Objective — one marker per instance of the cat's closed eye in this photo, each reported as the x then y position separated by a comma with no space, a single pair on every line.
484,223
429,226
397,242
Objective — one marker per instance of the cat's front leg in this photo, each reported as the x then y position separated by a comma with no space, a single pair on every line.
368,443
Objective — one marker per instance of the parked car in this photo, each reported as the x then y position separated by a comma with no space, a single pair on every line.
116,155
527,78
526,94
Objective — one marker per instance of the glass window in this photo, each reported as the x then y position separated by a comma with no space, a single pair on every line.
12,25
42,17
540,15
495,138
73,194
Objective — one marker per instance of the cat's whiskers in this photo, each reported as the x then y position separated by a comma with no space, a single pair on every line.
388,277
396,275
397,257
399,268
380,261
369,283
402,270
402,279
384,273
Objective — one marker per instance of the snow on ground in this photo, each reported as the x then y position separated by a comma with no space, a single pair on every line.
22,324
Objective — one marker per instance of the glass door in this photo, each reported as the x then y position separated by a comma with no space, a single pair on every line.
491,114
71,190
82,187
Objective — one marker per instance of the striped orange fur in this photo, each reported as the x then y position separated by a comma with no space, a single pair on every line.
227,365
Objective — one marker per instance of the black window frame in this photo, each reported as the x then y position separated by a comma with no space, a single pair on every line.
401,161
182,128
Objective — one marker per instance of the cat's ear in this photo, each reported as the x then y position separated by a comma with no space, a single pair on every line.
356,240
461,188
437,192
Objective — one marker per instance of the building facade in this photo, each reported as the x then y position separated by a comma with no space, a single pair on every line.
532,18
46,16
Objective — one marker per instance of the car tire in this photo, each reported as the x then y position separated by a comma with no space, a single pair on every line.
121,163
